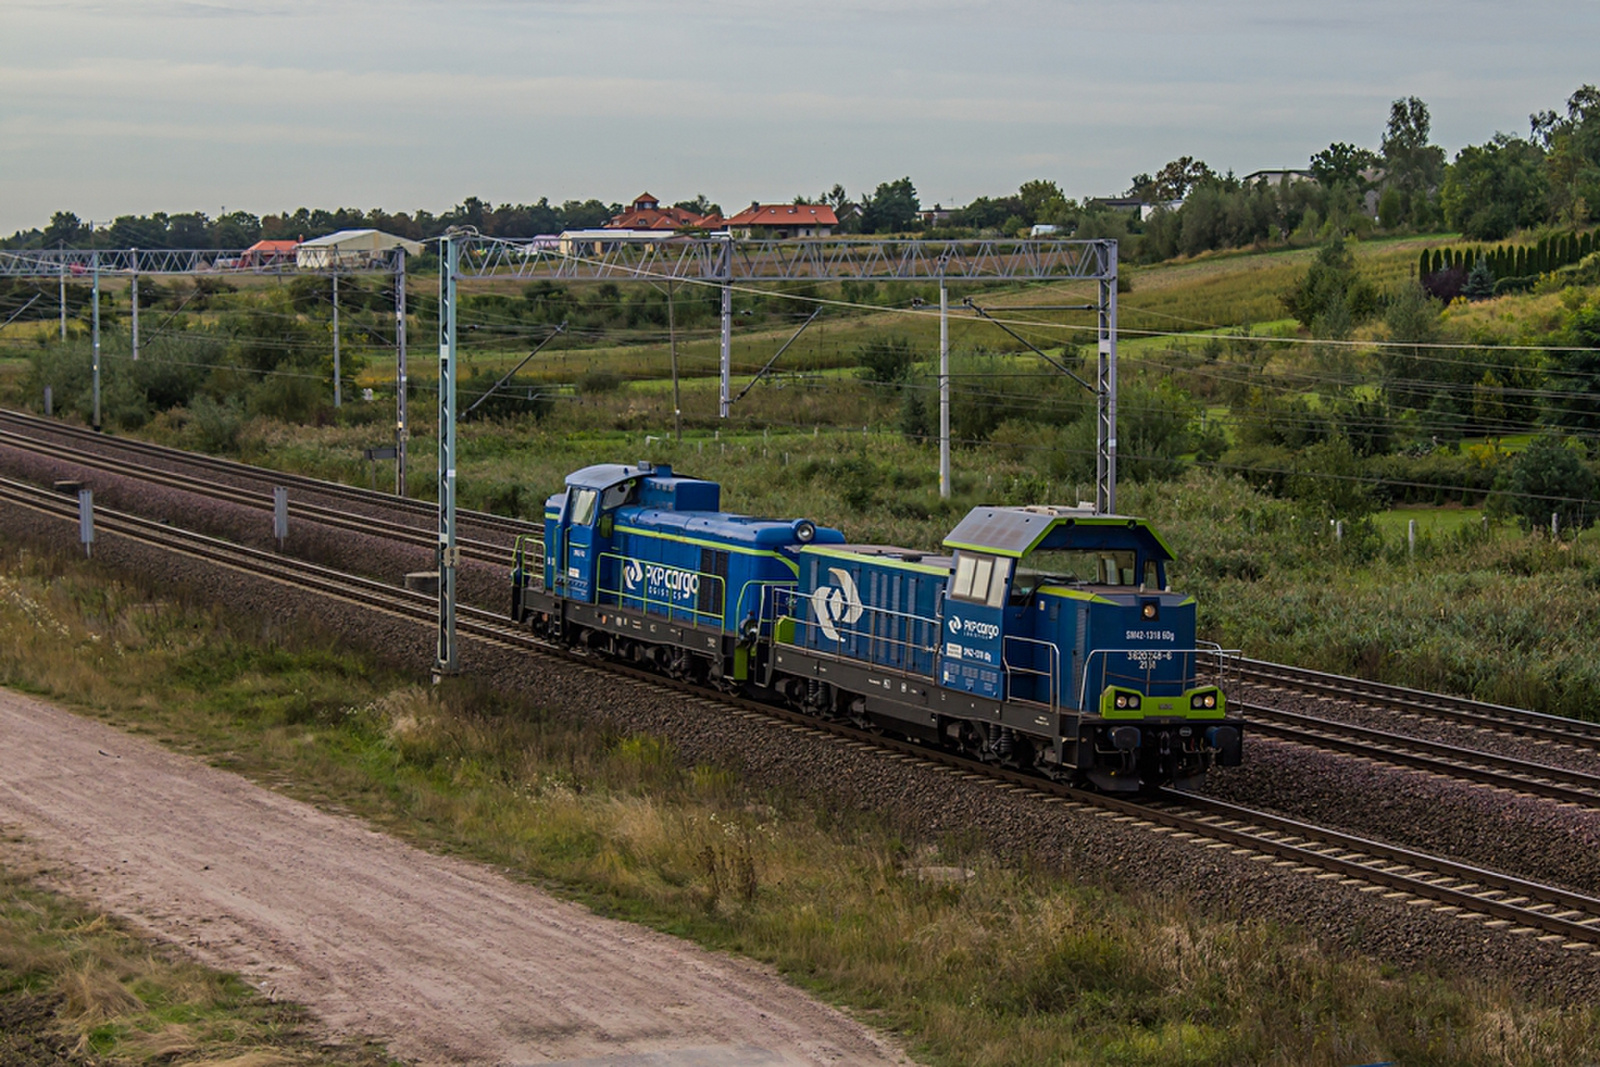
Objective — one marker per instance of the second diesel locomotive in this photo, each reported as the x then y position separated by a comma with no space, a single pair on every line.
1043,638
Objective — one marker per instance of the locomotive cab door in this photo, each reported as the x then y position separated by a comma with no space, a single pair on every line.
578,521
971,655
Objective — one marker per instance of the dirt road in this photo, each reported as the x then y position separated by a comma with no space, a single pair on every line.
446,961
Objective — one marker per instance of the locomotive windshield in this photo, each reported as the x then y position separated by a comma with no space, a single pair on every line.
1079,567
583,502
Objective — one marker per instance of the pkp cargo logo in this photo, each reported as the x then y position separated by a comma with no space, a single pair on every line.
837,605
985,631
659,582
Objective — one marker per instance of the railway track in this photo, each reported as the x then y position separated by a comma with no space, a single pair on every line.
1484,768
1501,901
31,425
1497,718
471,548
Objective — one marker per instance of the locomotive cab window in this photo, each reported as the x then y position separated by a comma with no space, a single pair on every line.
622,493
581,510
980,579
1081,567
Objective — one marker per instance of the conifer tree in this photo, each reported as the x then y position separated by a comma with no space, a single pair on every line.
1480,282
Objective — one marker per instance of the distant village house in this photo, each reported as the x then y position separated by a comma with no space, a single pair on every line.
783,221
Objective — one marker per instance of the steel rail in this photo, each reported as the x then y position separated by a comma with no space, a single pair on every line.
479,550
1486,768
1496,717
1501,896
236,469
1505,900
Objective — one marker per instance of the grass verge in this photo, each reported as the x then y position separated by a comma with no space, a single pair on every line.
78,987
1017,965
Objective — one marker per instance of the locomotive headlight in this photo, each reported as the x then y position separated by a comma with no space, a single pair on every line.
1211,700
1122,700
1203,700
1149,611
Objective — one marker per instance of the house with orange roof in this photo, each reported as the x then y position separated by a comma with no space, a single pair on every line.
646,213
269,253
783,221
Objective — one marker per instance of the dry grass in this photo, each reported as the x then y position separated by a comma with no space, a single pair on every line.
75,984
1018,965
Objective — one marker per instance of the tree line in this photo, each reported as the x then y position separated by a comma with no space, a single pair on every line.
1549,178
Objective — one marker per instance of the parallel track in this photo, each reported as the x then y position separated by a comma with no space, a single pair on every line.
1486,768
482,551
1495,717
427,513
1551,913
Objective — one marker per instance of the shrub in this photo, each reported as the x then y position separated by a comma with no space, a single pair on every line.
886,360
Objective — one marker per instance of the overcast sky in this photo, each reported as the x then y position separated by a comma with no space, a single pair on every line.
111,107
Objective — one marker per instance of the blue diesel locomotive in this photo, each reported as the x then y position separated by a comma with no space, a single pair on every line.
1043,638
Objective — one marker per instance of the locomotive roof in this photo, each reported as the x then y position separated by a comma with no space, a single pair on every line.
605,475
1016,531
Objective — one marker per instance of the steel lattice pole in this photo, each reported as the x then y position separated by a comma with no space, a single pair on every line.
446,662
401,430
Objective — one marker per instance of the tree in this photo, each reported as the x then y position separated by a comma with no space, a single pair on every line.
1042,201
1174,181
1572,155
1480,281
1413,166
65,229
1546,478
1389,208
1575,375
1495,188
1342,164
701,206
1331,282
891,209
886,360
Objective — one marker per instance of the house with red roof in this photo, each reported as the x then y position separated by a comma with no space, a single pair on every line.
646,213
269,253
783,221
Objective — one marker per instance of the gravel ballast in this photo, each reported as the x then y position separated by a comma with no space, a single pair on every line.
926,803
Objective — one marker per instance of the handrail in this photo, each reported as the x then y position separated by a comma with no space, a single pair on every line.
519,562
1052,674
799,604
689,607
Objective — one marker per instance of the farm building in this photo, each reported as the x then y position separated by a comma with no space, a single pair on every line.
351,248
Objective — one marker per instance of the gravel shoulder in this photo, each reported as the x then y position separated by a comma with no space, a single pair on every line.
443,960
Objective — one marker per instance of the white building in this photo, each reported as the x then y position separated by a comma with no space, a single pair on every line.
351,248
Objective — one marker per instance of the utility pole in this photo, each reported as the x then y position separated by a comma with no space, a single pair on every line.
133,298
401,432
1105,495
94,267
944,389
727,326
672,342
336,384
446,661
61,270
